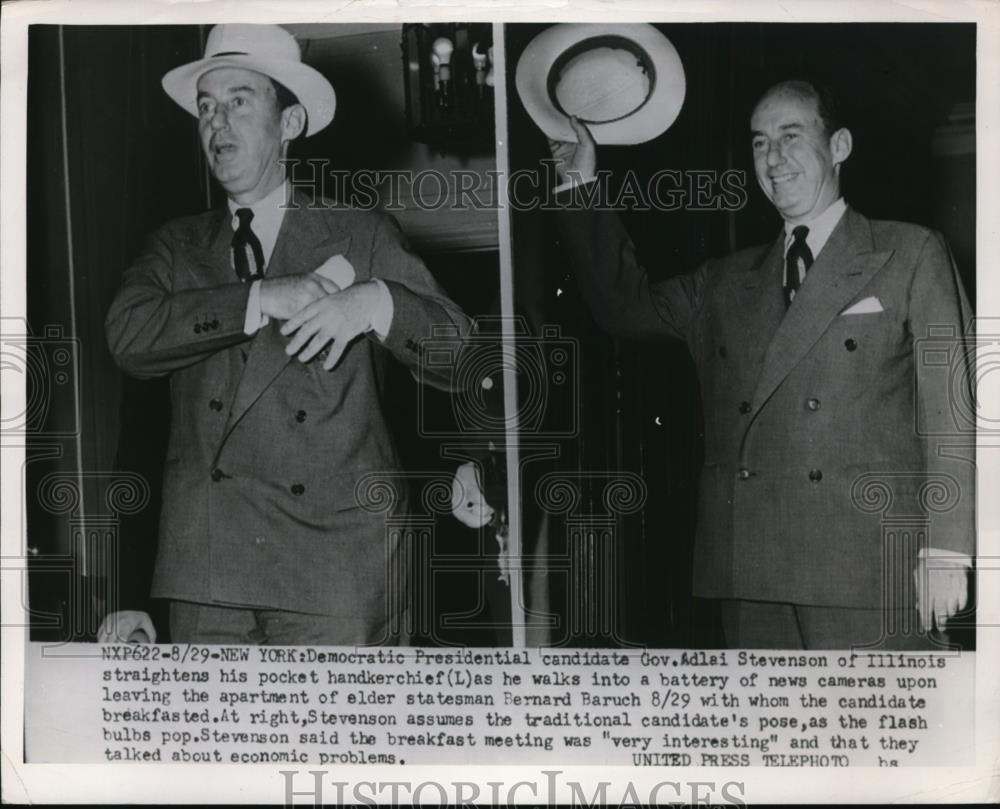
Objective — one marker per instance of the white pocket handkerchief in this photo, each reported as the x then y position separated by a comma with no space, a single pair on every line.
337,269
867,306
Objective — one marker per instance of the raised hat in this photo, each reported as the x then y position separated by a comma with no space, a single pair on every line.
267,49
626,82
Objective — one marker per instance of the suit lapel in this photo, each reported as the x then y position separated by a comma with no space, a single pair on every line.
845,265
760,305
210,257
304,242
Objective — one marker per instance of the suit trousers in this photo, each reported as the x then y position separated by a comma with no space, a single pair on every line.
776,625
192,622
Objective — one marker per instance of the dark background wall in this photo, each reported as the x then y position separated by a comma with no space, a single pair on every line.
909,93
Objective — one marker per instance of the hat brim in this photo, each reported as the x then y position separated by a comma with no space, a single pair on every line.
310,86
647,122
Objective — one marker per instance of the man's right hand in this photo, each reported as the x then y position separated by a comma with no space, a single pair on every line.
127,626
286,295
575,161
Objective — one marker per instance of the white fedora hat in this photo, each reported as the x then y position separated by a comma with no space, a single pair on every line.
626,82
267,49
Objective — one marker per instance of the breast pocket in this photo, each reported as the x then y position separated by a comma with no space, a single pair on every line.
860,338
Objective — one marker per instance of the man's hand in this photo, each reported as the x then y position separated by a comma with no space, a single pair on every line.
127,626
942,589
575,161
338,317
468,503
284,295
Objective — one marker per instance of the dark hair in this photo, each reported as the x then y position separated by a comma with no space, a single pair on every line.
828,103
286,98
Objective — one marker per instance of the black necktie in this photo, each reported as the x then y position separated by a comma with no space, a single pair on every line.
797,262
248,255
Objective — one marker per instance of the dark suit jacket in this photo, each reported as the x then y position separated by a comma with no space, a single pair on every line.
821,428
259,504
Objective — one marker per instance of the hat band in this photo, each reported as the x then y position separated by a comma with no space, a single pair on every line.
603,41
229,53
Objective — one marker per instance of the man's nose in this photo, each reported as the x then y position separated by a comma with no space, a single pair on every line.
220,118
774,154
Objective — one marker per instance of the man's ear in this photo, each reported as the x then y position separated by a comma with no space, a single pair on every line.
841,143
293,122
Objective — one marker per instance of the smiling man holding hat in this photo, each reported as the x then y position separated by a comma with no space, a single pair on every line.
817,400
274,322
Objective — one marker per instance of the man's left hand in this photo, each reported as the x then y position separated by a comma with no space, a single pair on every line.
942,589
339,318
468,503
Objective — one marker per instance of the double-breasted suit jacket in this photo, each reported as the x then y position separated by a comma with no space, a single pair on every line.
817,416
259,505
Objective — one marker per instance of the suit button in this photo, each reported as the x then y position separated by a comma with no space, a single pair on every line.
722,352
259,540
850,344
815,475
215,404
744,474
745,407
300,416
813,404
297,489
217,474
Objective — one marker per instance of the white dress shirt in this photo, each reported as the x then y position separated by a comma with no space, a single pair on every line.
268,214
820,228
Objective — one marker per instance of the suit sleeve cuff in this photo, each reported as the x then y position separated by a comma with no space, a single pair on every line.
381,320
255,319
573,182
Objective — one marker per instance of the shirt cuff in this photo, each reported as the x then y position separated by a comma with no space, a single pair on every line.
946,558
572,182
255,319
381,320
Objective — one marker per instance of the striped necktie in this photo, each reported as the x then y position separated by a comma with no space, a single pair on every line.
248,255
797,263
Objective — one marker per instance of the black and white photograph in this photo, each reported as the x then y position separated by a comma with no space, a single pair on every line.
799,462
207,489
595,404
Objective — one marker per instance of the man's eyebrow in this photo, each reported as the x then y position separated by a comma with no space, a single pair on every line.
784,127
243,88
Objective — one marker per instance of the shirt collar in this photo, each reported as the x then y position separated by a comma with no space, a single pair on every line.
820,228
268,208
268,214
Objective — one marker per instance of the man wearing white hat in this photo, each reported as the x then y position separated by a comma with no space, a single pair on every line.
822,417
274,323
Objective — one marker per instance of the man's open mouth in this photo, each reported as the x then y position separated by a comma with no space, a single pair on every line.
781,179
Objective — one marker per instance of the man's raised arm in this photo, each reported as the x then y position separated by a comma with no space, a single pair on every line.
617,289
